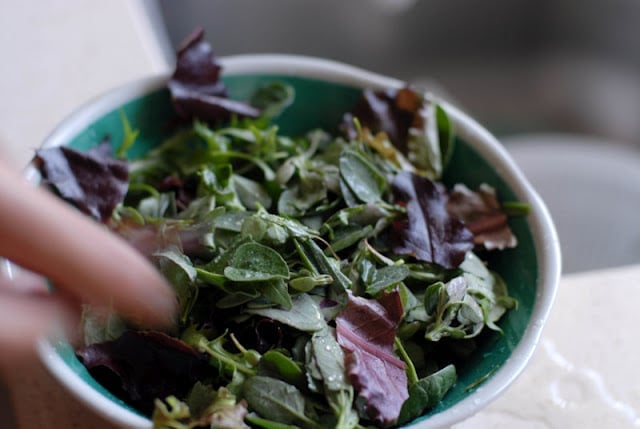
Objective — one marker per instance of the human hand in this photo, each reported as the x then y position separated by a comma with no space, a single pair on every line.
86,263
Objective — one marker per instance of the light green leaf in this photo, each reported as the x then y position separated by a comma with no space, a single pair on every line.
174,255
98,327
346,236
326,359
254,262
445,135
386,277
276,400
215,141
158,206
129,138
326,367
423,145
304,314
178,269
361,177
427,393
272,99
275,362
252,194
270,228
319,263
277,292
487,289
296,200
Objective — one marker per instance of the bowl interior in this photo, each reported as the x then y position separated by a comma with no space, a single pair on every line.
321,104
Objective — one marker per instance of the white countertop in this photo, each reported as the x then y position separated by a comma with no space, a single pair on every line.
59,54
584,373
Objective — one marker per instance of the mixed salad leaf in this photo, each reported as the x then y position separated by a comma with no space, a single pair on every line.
317,275
195,86
366,330
93,181
430,233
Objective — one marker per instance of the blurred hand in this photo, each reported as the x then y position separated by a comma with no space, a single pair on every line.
85,261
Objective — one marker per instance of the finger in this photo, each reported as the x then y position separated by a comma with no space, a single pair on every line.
41,233
25,318
22,281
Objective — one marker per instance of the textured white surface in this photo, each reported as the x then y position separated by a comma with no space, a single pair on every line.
58,54
584,374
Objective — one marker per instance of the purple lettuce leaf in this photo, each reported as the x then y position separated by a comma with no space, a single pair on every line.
142,366
482,215
366,331
392,111
93,181
196,89
430,233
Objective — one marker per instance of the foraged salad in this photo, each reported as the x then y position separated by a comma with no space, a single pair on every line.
324,280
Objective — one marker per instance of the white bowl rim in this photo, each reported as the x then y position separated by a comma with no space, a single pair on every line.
542,228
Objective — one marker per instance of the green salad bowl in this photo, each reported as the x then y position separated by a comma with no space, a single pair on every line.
324,90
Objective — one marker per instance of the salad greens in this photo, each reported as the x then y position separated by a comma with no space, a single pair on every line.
321,278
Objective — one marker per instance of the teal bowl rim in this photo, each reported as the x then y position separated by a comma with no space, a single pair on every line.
540,223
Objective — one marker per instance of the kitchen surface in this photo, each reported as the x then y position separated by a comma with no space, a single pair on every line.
560,88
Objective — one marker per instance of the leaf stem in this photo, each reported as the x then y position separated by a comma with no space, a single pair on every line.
516,208
412,374
204,346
